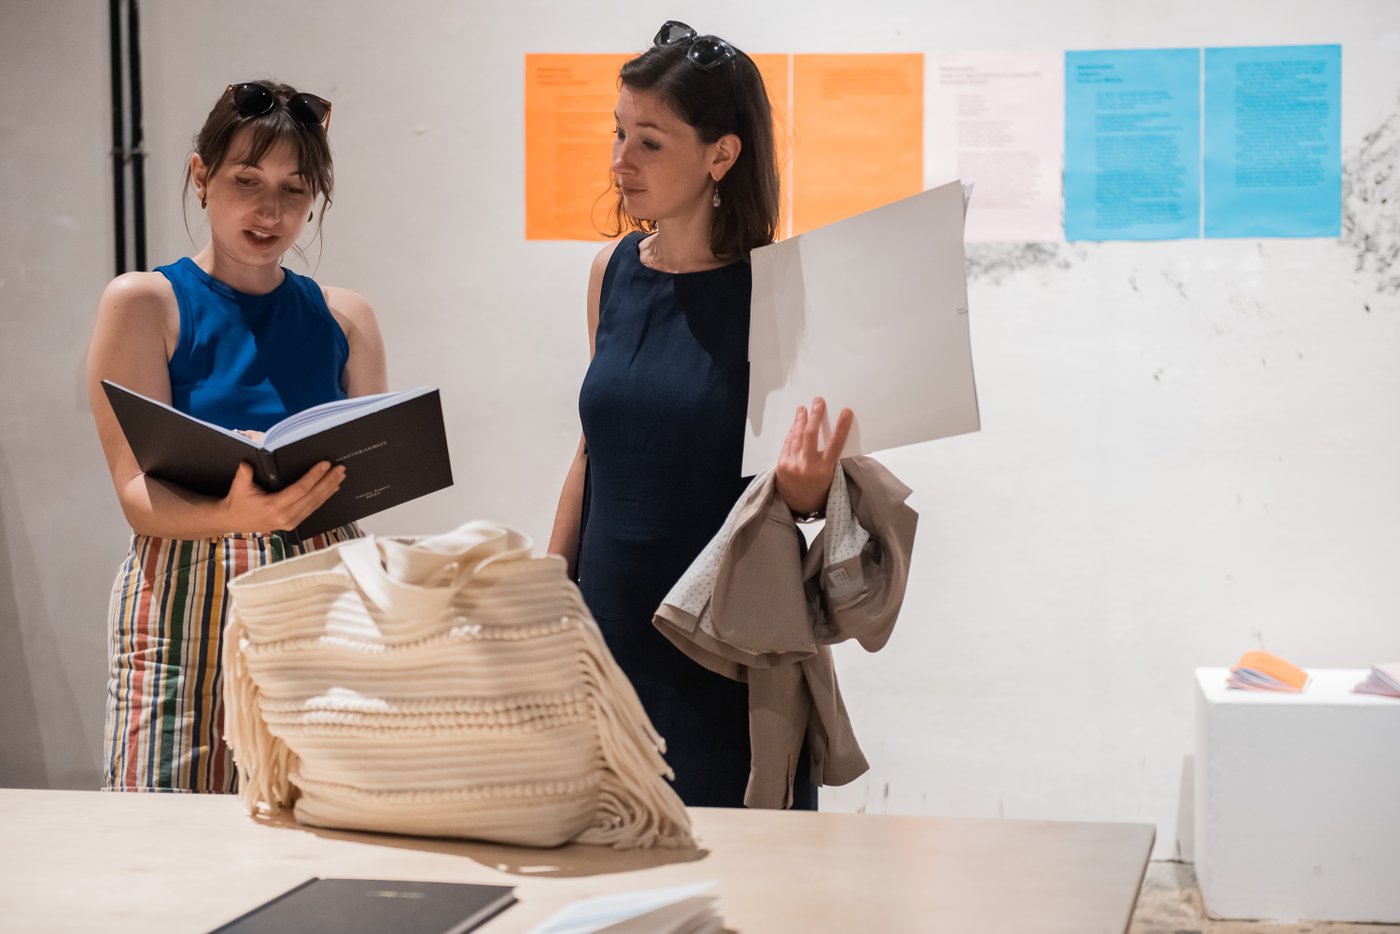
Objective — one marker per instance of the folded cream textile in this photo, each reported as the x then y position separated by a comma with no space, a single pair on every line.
451,685
753,608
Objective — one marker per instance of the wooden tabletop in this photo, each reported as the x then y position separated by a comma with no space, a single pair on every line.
92,861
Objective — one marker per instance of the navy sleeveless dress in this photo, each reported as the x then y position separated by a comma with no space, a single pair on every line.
663,407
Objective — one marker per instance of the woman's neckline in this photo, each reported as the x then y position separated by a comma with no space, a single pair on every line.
637,247
224,288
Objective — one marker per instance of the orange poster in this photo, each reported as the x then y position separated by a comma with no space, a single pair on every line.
569,102
774,69
858,123
848,131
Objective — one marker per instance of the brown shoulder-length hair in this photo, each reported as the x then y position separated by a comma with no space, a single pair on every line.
727,99
308,142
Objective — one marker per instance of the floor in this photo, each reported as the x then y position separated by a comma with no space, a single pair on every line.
1170,903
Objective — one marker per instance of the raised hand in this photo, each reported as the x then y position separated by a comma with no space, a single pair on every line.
805,470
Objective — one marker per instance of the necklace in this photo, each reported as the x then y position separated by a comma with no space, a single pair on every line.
654,258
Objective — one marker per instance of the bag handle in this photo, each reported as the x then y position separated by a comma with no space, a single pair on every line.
465,551
361,558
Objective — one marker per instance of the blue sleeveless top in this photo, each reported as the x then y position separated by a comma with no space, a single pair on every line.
248,361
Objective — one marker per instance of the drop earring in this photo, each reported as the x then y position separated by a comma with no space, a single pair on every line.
309,216
203,201
715,200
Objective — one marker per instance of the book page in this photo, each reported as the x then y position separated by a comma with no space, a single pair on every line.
307,422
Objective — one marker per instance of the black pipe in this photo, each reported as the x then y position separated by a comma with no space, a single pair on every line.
137,148
118,135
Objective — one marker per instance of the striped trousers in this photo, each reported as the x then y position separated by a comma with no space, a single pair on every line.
165,707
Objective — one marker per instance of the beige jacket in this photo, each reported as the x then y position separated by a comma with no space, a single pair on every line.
752,608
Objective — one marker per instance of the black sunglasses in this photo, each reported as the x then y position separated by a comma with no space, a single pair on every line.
251,99
705,52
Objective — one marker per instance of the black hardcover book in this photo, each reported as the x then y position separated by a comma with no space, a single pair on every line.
393,446
374,906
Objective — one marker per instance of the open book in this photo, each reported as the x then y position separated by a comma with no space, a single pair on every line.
393,446
680,909
1262,671
1383,680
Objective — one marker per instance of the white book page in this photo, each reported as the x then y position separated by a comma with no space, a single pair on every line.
309,421
652,910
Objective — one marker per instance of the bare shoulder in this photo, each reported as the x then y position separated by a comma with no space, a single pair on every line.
140,295
600,262
138,327
366,371
595,290
596,273
136,308
348,306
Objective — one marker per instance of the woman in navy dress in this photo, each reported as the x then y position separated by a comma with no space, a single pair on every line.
665,397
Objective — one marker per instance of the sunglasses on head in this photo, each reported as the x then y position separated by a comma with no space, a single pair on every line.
704,52
251,99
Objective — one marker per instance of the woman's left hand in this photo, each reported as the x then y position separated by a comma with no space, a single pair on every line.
805,470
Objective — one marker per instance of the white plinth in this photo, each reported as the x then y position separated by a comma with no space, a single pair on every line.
1298,801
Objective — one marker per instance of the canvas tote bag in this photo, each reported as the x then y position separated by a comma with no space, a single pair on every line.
452,685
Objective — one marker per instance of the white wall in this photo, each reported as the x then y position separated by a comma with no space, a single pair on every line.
59,530
1188,449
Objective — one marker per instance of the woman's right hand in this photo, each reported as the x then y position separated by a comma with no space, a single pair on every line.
805,470
250,508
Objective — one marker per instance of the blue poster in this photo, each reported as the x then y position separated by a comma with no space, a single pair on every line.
1273,141
1133,144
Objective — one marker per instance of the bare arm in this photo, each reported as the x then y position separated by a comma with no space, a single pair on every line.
564,538
568,517
366,372
137,326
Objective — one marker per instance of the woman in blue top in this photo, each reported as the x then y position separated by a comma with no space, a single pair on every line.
665,397
230,337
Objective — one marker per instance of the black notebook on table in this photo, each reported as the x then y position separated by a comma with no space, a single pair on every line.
393,446
374,906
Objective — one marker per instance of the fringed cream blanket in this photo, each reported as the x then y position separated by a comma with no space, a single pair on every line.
447,686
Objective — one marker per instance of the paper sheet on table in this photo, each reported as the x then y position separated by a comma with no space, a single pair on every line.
677,908
870,313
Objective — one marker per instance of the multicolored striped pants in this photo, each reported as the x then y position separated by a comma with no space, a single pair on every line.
165,705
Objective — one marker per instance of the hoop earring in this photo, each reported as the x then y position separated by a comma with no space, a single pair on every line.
309,216
715,200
